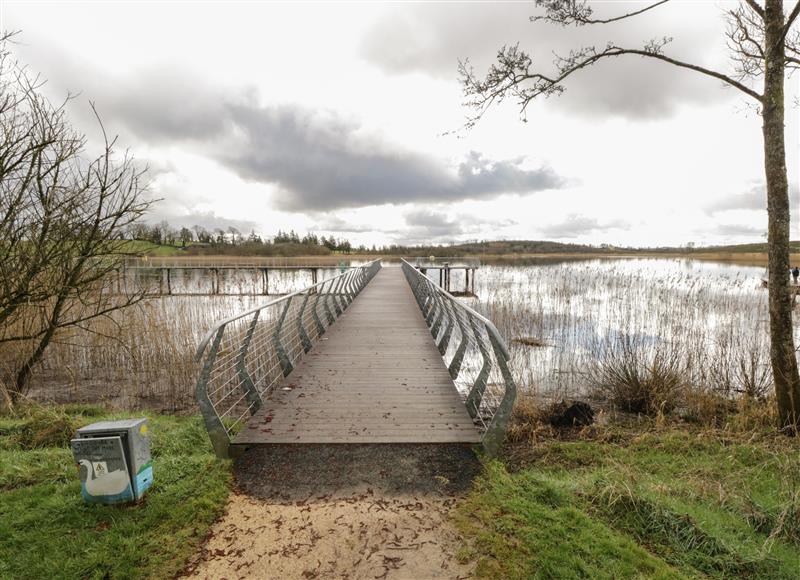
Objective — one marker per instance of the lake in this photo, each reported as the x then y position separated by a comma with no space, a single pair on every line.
561,320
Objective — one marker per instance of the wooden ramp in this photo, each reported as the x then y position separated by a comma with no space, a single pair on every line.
374,377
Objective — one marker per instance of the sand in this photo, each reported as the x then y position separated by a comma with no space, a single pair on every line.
327,512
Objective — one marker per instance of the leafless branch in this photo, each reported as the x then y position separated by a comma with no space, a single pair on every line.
61,216
579,12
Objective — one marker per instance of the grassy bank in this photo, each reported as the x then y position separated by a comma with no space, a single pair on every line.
663,502
46,530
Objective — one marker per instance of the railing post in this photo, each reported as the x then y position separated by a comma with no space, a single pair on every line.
216,429
430,305
417,290
347,292
317,319
437,298
458,358
325,303
496,431
250,391
335,296
286,364
475,396
444,343
302,329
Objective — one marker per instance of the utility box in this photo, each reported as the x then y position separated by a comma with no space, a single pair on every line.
114,460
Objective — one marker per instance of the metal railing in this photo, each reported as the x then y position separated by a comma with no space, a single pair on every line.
244,357
475,353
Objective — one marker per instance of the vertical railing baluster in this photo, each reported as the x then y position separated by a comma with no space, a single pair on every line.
217,431
317,320
336,306
301,329
454,368
475,396
437,298
286,364
326,303
253,397
448,329
495,432
430,304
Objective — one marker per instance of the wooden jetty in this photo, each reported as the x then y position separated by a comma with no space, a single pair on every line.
165,270
370,356
378,378
444,267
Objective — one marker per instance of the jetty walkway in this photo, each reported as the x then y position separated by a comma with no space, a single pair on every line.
374,355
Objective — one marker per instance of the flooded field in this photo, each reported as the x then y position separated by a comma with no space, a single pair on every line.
565,322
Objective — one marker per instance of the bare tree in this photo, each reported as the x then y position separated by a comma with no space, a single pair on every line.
764,48
62,217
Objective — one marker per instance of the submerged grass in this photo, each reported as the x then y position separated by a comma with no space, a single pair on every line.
46,531
644,500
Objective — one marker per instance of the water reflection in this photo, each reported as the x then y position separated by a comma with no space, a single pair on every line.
713,315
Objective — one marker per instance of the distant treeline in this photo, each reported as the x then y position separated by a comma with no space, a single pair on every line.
200,240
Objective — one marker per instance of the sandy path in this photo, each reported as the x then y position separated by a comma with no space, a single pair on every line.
347,512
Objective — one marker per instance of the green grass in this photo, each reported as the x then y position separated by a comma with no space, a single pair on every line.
142,247
665,504
47,531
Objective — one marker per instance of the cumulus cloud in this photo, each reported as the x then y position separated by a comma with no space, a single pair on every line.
432,38
578,225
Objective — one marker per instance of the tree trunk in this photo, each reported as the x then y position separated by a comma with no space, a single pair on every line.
782,351
22,381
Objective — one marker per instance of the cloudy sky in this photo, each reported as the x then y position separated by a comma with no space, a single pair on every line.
347,119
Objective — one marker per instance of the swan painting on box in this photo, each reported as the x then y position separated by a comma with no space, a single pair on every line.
101,483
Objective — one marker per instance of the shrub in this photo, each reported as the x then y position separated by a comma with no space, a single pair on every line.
639,380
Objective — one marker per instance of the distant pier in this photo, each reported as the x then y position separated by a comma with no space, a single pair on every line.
444,270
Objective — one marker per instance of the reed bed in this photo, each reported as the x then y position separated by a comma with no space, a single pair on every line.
645,335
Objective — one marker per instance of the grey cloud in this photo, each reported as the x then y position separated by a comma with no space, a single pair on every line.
322,162
432,38
160,105
755,198
428,224
576,225
432,224
319,160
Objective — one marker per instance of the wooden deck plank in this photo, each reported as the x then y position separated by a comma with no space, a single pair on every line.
374,377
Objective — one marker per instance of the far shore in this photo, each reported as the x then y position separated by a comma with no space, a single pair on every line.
742,258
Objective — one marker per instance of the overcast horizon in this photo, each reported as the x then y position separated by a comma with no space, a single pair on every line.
347,120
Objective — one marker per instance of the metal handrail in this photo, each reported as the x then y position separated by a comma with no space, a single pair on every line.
471,358
245,356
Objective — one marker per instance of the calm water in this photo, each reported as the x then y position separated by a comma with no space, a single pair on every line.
712,316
